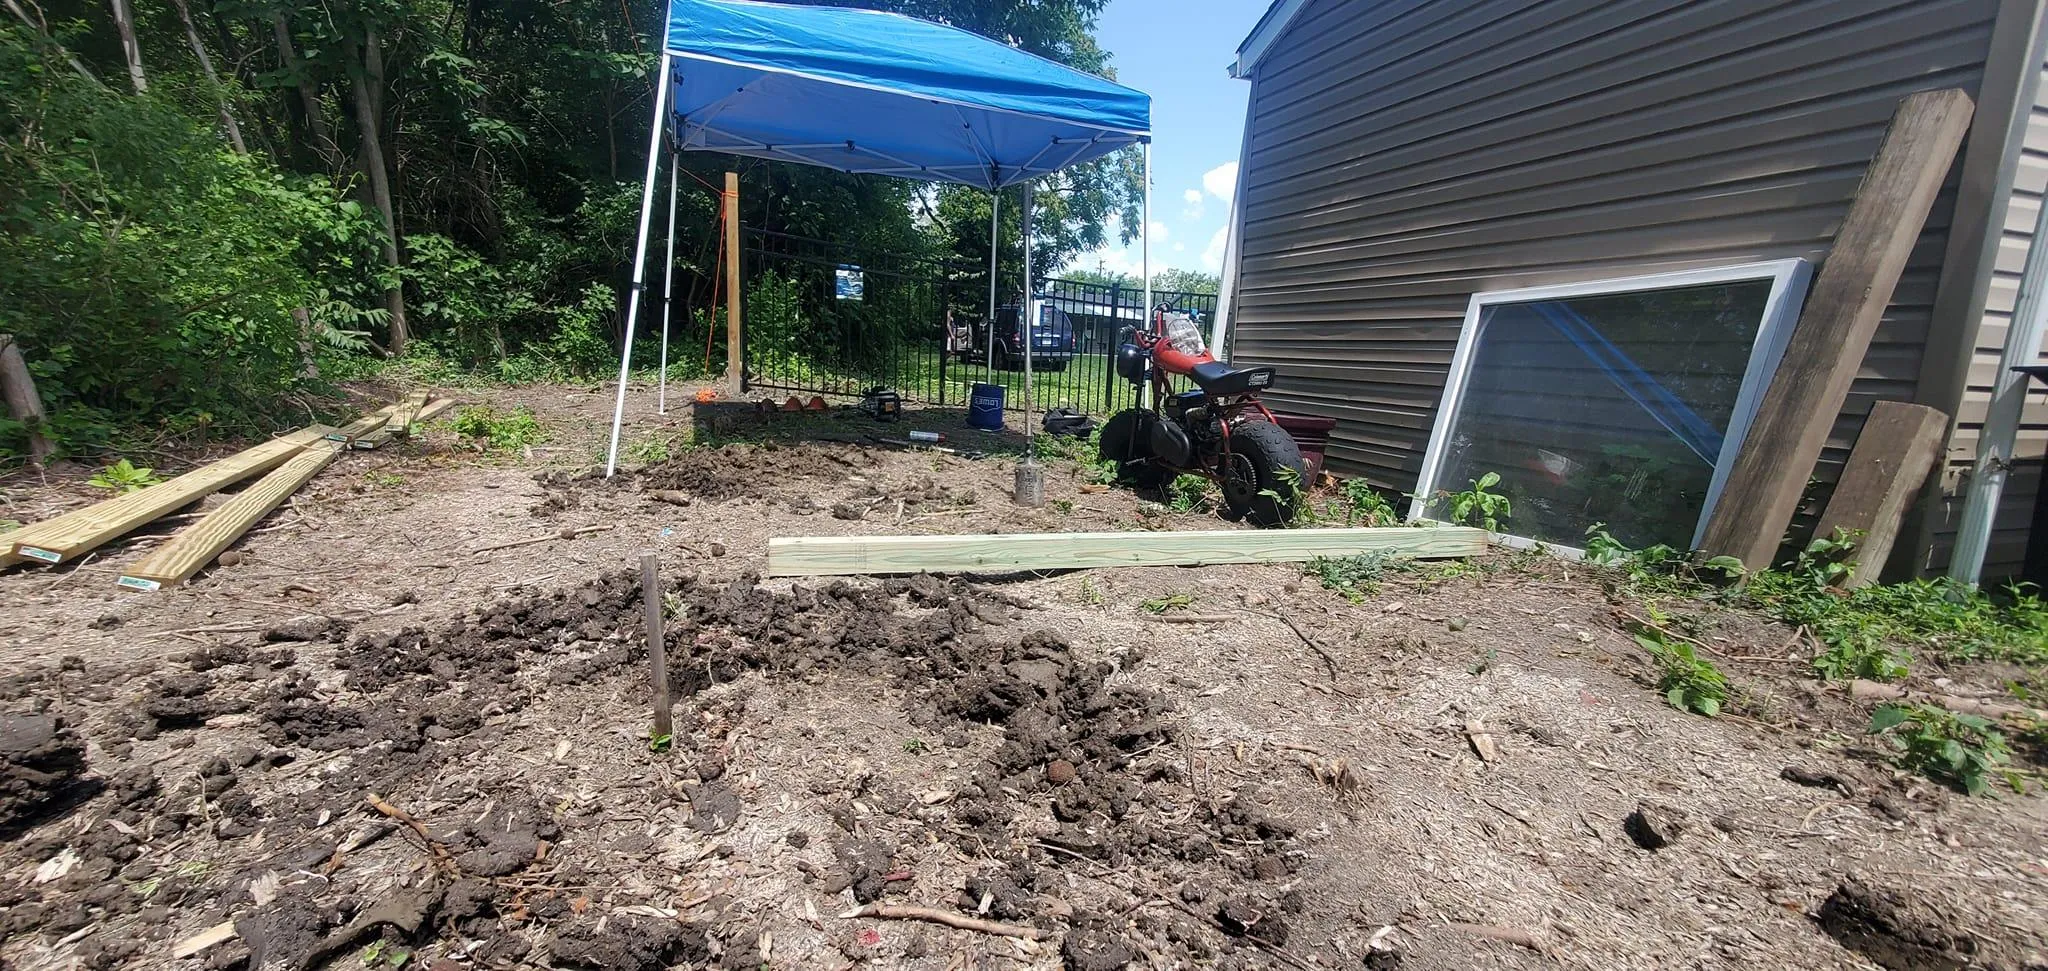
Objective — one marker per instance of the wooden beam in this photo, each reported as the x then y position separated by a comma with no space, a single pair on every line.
433,410
81,530
1893,454
735,363
407,412
841,555
1842,312
196,545
18,387
374,421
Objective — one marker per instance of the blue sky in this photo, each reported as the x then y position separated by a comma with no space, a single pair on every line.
1179,52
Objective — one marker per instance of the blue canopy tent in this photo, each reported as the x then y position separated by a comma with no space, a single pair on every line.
867,91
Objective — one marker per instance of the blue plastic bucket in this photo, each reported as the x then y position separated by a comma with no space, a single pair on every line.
985,407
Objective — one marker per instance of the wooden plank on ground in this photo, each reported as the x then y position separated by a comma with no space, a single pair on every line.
1842,311
841,555
347,434
1893,454
81,530
196,545
433,410
407,412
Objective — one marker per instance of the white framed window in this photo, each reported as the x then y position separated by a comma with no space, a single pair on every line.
1618,401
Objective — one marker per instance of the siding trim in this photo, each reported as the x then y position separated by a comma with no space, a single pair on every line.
1988,170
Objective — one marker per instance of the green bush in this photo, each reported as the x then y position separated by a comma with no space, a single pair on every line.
149,272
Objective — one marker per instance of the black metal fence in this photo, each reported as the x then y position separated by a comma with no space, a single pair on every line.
820,317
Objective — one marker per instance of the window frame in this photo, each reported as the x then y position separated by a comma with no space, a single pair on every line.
1789,279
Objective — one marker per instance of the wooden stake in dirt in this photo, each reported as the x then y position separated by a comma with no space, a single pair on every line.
735,378
1843,308
657,643
19,388
1896,449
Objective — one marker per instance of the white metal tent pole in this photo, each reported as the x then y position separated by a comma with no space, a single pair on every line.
668,278
611,458
2002,420
1145,260
995,206
1027,317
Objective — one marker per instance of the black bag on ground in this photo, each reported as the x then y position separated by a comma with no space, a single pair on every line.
1067,421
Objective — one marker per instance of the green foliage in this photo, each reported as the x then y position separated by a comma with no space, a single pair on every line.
1160,605
1191,493
123,477
1689,682
492,431
1659,568
915,746
1356,577
1089,594
650,449
1366,506
1479,505
659,743
1962,750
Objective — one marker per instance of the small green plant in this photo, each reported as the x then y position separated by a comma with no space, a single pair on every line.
1962,750
9,525
1355,577
1824,562
1366,506
124,477
1658,568
650,450
914,746
1064,507
380,479
1689,682
1190,493
492,431
1089,594
1103,472
1484,662
382,953
660,743
1480,505
1160,605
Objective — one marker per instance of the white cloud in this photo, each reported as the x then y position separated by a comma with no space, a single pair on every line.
1221,181
1193,197
1212,255
1160,233
1180,247
1193,209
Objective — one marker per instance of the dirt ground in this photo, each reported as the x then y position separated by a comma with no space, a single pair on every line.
373,740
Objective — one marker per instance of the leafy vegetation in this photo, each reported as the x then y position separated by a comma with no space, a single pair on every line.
190,250
1364,505
1355,577
1966,751
1479,505
1191,493
1689,682
490,430
124,477
1173,601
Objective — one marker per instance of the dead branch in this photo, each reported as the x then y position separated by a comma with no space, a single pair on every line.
946,917
1512,935
419,829
1862,690
567,533
1194,618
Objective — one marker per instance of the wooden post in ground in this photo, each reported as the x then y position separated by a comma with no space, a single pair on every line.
1842,312
657,643
734,360
19,388
1896,449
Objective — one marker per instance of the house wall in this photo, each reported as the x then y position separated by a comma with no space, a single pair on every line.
1404,154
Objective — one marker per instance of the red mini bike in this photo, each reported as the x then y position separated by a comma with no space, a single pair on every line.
1218,429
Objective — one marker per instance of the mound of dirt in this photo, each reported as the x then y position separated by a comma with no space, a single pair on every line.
747,470
42,770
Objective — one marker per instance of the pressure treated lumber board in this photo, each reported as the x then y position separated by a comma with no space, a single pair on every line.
196,545
79,531
408,411
433,410
1894,452
347,434
1842,311
841,555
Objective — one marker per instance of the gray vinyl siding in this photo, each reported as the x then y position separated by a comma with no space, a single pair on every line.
1405,154
2008,545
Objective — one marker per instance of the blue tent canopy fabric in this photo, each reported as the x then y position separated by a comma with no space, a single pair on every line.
875,92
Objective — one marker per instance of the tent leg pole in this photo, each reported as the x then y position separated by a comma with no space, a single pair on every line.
611,458
988,362
1030,490
1145,257
668,280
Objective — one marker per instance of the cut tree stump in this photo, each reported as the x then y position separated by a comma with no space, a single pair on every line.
1842,311
1893,455
19,388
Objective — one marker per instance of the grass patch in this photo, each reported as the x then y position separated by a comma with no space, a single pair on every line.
490,430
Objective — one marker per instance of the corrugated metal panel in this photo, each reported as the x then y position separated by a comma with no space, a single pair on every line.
2015,510
1405,154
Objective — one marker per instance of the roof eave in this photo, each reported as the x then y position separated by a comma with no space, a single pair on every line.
1261,39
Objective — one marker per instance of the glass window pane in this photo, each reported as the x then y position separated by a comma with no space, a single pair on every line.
1606,408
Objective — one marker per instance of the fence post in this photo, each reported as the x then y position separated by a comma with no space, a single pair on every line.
735,358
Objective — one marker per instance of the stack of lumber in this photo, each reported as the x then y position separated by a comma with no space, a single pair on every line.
285,463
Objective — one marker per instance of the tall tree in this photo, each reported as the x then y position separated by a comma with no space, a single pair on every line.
366,79
227,117
131,49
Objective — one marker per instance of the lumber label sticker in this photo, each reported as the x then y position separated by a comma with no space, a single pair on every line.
37,553
138,583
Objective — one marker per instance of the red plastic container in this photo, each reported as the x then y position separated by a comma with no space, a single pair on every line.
1312,435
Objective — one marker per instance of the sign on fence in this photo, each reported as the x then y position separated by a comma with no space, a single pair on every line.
848,284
